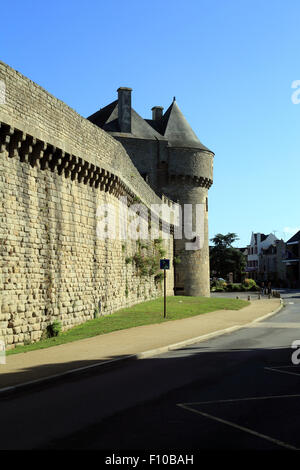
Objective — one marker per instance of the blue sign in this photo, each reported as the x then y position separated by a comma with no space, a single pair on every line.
164,264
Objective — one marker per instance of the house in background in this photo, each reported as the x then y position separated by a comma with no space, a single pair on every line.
292,261
272,269
259,242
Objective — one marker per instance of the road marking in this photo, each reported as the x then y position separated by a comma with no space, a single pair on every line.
231,400
240,428
277,369
280,367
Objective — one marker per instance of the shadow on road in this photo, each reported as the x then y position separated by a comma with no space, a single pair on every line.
136,405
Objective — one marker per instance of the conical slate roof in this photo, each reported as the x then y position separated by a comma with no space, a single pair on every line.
178,131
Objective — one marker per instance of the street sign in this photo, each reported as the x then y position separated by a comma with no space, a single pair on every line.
164,264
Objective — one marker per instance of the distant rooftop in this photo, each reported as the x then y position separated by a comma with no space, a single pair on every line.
295,238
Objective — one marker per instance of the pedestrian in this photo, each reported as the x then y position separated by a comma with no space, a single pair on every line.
262,289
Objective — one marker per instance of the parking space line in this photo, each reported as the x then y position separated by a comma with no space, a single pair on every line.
240,428
285,367
231,400
276,369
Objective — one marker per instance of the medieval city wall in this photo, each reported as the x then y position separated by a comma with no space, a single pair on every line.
56,170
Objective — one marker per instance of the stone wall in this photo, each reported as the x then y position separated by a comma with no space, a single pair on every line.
56,169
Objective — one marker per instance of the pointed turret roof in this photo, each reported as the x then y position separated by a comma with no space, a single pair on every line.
178,131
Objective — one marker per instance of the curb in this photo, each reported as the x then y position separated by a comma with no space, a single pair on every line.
143,355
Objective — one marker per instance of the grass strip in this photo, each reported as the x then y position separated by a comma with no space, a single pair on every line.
145,313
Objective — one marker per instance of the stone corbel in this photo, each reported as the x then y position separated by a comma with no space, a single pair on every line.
15,143
6,133
56,158
76,168
83,171
70,165
37,153
95,176
104,180
47,156
26,148
65,159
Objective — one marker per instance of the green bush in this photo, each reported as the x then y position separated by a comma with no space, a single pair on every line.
255,289
54,329
248,283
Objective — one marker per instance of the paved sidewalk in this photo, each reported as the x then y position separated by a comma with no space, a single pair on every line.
149,340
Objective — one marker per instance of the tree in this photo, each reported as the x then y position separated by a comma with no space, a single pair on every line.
224,258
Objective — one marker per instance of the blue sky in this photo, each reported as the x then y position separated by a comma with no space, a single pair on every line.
230,64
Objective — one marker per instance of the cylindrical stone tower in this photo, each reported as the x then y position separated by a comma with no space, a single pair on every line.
190,175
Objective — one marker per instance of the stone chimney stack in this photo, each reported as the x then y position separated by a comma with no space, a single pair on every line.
124,109
157,112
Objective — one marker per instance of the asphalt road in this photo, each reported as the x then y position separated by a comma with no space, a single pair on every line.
238,391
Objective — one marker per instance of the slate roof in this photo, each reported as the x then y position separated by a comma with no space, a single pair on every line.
178,131
295,238
107,119
172,127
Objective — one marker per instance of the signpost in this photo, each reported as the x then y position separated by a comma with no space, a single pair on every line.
165,264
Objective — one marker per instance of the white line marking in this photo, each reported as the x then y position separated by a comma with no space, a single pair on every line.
240,428
273,369
231,400
285,367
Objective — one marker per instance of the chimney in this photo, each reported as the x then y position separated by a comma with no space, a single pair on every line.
124,109
157,112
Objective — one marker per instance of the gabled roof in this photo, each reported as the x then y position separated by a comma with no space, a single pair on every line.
263,237
295,238
107,119
105,115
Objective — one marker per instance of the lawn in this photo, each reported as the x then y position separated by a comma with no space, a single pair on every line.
145,313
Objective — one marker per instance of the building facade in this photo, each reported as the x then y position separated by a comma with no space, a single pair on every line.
258,242
272,269
291,261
